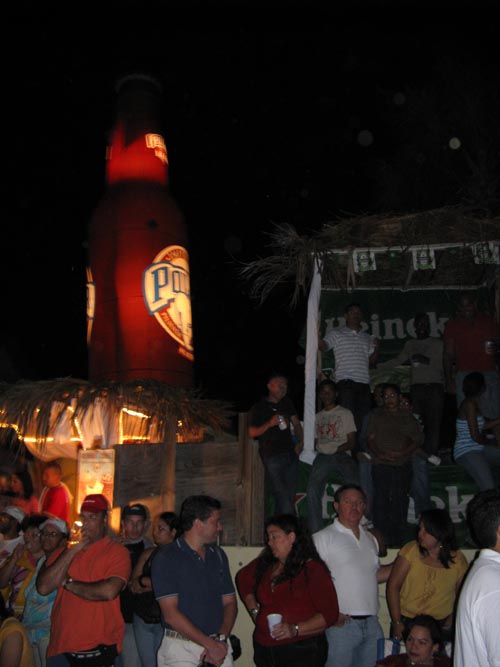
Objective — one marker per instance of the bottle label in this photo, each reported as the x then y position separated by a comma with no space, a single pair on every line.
167,294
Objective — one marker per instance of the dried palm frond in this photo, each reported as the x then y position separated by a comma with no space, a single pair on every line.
450,231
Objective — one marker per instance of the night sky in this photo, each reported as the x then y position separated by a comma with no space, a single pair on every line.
272,114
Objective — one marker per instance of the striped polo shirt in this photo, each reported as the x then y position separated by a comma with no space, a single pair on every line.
352,350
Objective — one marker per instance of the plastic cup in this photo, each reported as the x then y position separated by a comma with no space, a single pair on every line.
272,620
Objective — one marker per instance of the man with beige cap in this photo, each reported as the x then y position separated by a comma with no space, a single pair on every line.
87,624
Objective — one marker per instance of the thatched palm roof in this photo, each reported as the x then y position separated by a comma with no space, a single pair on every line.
450,232
35,406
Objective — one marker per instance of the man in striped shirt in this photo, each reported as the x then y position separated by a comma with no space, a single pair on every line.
355,351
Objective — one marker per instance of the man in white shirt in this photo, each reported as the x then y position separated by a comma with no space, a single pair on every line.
335,436
351,553
355,351
477,630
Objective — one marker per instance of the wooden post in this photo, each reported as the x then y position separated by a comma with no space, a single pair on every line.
168,460
249,489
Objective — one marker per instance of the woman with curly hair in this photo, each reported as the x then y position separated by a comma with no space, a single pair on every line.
426,574
289,578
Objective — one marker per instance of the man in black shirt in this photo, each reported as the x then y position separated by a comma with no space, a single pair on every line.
270,422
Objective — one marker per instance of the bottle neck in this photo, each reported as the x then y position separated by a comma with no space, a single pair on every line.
137,150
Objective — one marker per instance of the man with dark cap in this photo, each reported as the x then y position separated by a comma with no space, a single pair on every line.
134,524
88,576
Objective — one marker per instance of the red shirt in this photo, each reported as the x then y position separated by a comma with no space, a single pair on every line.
79,624
296,602
470,337
56,502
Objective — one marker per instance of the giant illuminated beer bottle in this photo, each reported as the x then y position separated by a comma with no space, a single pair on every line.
138,289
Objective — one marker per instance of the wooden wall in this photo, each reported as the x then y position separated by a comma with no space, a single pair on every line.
228,468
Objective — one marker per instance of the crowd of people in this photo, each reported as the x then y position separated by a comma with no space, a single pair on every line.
161,591
387,440
124,599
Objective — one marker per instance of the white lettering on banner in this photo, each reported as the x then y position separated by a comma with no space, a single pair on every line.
388,329
392,328
457,509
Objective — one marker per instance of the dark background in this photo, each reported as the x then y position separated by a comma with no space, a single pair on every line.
275,113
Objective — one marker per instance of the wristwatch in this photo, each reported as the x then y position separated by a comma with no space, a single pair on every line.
219,637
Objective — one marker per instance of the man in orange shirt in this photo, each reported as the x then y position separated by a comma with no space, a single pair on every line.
86,619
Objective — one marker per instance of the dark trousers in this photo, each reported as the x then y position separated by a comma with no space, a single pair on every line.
428,403
391,489
356,397
282,474
311,652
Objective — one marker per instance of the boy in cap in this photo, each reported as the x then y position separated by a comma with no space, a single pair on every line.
134,524
88,576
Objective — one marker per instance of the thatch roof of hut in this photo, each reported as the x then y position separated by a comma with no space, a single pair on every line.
36,407
450,232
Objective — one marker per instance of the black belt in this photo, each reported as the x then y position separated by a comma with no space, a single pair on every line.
361,618
347,381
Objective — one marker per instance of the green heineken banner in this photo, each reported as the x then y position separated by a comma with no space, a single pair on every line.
388,316
451,489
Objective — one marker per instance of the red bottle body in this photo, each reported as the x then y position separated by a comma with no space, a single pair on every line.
138,306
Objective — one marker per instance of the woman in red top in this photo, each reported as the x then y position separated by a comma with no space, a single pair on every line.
289,578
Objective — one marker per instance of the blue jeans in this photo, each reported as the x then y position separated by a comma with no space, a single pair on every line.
59,660
478,465
282,473
420,485
148,638
129,656
354,644
322,468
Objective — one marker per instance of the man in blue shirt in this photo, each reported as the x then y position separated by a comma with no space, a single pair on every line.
193,585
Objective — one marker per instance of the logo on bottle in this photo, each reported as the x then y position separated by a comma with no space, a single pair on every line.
167,294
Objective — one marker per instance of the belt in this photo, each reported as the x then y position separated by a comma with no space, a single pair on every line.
347,381
175,635
361,618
